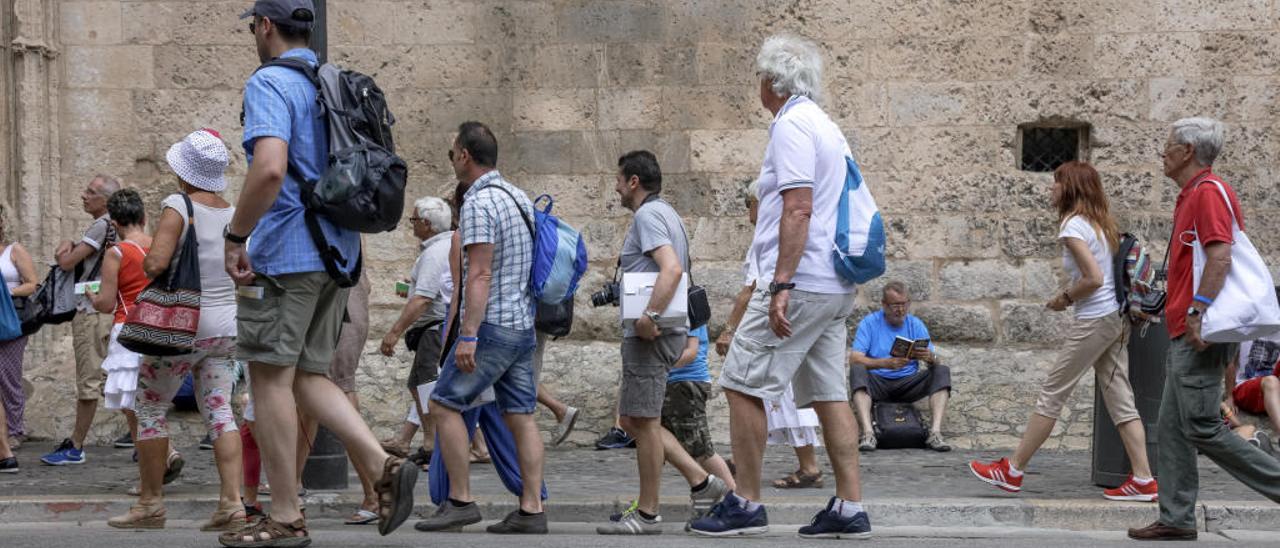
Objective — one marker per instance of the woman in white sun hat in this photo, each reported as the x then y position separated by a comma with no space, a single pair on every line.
199,161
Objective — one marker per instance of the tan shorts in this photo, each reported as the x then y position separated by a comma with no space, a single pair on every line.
89,336
355,331
811,360
1100,344
296,322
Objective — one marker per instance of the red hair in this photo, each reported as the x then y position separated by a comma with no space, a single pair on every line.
1082,195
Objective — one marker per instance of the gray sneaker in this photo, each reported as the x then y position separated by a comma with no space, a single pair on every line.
936,442
868,443
565,426
1264,442
703,499
632,523
450,518
519,524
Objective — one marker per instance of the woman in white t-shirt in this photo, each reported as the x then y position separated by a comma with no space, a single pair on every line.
199,161
1097,338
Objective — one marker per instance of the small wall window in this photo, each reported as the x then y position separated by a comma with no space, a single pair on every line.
1044,147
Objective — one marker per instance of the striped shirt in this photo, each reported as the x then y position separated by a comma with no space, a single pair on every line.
491,216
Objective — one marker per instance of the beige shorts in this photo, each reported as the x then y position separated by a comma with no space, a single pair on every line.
296,322
355,331
811,360
1100,344
90,333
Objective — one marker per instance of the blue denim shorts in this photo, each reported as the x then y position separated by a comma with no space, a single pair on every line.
504,360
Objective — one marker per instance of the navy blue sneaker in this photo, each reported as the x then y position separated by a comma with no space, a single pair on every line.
728,518
65,454
615,438
830,524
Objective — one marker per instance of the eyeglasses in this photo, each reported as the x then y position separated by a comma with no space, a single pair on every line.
253,28
897,306
1165,152
415,219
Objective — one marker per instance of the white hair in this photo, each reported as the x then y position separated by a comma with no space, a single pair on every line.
1205,135
753,190
792,64
435,211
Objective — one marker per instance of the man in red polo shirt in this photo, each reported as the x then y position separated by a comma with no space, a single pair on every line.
1189,407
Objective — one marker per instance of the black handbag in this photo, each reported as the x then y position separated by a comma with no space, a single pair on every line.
166,316
698,306
898,426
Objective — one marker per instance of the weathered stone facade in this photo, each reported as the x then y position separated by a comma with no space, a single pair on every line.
931,92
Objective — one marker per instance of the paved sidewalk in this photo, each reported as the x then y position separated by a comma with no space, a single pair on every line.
902,488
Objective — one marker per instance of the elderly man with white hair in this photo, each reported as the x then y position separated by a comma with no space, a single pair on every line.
1206,210
423,314
794,331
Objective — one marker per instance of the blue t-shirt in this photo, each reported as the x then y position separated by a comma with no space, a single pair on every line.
875,339
281,102
697,369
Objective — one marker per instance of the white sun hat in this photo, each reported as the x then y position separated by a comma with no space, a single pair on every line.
200,159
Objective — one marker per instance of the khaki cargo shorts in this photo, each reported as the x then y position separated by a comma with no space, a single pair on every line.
295,322
812,359
90,332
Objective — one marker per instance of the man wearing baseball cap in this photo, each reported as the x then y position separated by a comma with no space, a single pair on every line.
289,309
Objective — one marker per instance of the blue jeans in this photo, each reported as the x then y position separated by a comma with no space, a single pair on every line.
504,360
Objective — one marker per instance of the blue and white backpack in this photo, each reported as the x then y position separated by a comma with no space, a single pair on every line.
859,241
559,261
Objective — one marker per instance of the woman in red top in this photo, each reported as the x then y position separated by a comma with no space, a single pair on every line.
122,280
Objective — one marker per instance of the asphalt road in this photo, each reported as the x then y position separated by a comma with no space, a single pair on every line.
579,535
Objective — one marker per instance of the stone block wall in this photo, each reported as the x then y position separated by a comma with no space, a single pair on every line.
929,92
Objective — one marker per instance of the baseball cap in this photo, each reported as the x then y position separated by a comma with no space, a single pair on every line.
294,13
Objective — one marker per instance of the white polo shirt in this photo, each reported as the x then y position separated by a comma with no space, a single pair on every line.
806,150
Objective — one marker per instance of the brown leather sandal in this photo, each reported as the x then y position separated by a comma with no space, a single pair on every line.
395,494
798,480
268,533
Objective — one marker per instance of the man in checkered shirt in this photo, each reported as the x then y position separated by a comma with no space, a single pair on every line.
495,335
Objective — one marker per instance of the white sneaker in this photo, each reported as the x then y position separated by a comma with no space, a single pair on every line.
632,523
565,426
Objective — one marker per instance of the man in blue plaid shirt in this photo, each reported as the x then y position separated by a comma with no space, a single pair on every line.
495,335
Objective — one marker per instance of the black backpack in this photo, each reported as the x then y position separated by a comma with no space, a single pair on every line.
898,426
55,299
363,187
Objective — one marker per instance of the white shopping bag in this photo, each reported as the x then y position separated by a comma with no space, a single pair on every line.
1246,308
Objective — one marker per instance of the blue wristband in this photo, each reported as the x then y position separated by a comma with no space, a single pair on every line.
469,339
1202,299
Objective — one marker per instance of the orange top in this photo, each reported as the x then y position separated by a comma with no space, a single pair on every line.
131,280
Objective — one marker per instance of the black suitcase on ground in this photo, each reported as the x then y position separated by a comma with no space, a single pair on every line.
898,426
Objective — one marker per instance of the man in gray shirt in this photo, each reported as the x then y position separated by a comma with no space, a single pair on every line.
89,329
655,242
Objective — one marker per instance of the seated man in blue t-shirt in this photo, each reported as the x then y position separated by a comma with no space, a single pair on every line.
876,376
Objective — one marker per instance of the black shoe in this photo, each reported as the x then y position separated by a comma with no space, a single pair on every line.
206,443
124,442
9,465
615,438
421,457
520,524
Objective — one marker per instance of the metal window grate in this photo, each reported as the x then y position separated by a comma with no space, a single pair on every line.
1046,148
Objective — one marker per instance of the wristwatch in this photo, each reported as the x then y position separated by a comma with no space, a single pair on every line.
228,236
1192,311
653,316
776,288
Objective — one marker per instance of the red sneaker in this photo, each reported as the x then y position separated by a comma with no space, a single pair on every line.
1131,490
997,474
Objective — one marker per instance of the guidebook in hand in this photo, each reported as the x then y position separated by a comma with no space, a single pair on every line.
903,346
